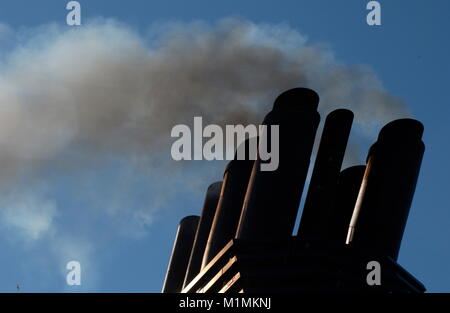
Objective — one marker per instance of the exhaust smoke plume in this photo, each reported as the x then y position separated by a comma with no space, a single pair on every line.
73,99
104,89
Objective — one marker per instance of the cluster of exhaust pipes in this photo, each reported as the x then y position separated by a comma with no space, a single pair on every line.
364,206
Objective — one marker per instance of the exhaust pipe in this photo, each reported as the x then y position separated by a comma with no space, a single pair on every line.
235,181
348,187
203,229
180,254
318,207
272,198
387,190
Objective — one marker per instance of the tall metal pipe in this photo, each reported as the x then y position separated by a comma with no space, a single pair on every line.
348,187
385,197
203,230
226,219
272,198
180,254
322,187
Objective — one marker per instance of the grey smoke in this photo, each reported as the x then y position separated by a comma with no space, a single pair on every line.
73,97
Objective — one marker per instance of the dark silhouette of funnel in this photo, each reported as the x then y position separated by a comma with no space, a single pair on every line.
235,181
316,215
348,187
180,254
204,227
350,218
388,187
272,198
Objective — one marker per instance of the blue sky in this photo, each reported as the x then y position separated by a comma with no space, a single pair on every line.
409,54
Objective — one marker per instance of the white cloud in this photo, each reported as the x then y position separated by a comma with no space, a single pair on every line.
31,214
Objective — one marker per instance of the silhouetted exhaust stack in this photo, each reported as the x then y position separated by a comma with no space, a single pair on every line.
316,217
348,187
203,230
180,254
272,199
350,218
235,182
386,194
